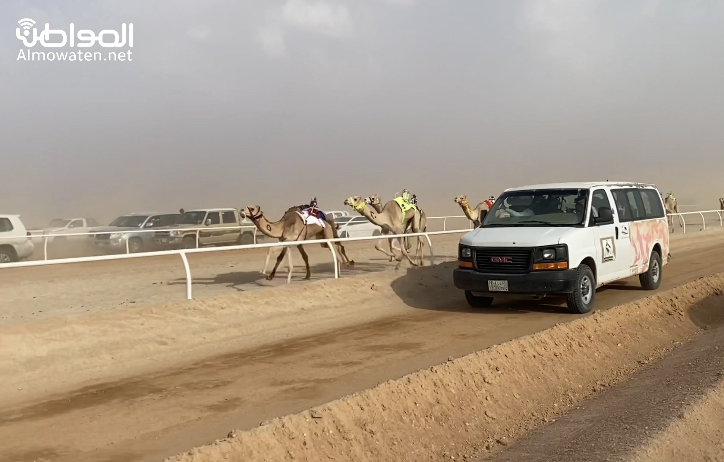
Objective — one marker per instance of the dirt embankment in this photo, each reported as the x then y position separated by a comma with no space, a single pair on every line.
482,401
697,437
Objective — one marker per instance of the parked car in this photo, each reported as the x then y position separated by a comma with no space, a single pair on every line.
219,226
356,227
69,226
15,240
568,239
334,214
130,228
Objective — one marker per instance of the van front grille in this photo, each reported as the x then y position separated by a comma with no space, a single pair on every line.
503,260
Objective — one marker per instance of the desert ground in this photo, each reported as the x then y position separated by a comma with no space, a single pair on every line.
108,361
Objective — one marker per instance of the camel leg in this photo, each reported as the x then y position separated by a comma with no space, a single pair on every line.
279,260
266,261
405,253
380,243
306,262
291,267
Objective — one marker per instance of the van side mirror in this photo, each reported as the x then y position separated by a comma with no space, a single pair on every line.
208,221
605,215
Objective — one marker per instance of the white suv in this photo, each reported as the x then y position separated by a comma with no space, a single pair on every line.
15,243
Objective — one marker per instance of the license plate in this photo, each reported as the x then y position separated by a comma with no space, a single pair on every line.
498,286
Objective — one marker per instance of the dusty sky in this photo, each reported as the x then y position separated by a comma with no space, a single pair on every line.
230,103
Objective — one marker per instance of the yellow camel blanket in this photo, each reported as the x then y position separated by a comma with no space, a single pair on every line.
404,205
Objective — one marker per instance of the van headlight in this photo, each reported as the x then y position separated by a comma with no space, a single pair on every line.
554,257
466,252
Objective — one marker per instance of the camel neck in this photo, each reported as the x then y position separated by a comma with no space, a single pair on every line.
466,210
377,207
267,228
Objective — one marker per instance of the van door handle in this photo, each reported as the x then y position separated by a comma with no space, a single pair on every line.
616,232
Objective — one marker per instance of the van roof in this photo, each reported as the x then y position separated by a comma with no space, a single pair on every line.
221,209
582,185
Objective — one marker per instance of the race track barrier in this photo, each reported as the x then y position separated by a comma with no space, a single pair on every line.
682,220
184,252
35,234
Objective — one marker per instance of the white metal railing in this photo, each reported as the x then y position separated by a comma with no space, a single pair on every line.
682,220
183,252
37,234
444,220
47,237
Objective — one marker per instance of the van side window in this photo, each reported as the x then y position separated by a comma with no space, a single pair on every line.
622,206
5,225
637,207
599,199
652,204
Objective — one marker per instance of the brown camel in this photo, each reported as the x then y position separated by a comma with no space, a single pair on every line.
390,219
671,207
291,227
375,202
476,215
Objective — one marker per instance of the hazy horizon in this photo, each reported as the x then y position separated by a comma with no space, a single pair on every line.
230,103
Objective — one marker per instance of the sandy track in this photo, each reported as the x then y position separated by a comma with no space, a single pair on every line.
638,413
485,400
80,288
284,350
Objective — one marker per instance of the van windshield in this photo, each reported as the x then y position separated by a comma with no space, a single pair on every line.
540,207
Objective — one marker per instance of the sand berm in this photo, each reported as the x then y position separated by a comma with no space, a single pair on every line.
485,400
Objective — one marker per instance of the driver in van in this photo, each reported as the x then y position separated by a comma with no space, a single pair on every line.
581,206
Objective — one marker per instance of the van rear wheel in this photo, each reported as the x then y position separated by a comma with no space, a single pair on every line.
651,279
477,302
581,300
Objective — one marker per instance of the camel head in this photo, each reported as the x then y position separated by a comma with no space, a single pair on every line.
461,200
356,202
374,199
253,212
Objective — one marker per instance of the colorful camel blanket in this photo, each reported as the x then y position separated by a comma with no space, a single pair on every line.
311,219
404,205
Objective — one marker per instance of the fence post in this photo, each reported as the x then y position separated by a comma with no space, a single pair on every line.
128,250
45,247
189,294
720,220
683,222
703,221
432,254
255,228
330,244
444,224
197,238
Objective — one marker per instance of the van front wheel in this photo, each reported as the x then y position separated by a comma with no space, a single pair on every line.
651,279
477,302
580,301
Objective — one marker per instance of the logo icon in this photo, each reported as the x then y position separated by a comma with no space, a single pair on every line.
26,24
501,259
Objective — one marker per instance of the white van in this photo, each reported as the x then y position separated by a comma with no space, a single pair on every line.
567,238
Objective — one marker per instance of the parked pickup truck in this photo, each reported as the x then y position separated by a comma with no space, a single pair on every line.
68,226
15,244
220,226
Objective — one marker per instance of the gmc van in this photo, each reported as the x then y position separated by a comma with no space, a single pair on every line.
566,238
